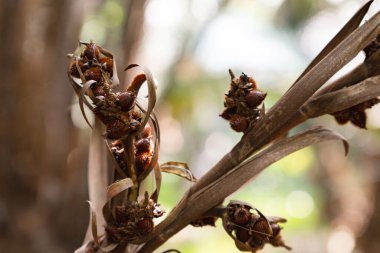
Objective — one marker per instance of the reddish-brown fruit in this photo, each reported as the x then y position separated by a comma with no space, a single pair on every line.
120,214
126,100
74,70
242,216
93,73
261,228
116,129
91,51
143,145
359,119
242,234
107,64
342,117
98,90
257,243
147,132
145,226
254,98
275,229
136,115
228,113
239,123
142,161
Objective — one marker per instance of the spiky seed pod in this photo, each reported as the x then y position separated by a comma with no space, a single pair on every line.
241,216
126,100
143,145
91,51
142,161
107,64
116,129
239,123
145,226
254,98
242,234
93,73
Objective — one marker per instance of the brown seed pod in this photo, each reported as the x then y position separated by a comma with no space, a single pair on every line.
74,70
276,229
120,214
126,100
254,98
242,234
107,64
147,132
342,117
93,73
145,226
116,129
91,51
228,113
359,119
239,123
143,145
142,161
262,228
241,216
98,90
136,115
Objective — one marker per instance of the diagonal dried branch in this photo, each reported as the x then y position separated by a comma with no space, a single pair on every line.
215,193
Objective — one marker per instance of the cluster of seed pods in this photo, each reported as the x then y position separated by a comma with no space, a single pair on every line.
131,136
241,103
116,110
250,229
133,220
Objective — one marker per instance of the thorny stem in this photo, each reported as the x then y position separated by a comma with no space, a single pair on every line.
276,122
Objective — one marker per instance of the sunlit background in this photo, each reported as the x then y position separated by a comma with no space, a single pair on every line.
331,202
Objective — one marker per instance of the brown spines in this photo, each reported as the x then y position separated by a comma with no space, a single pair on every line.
241,103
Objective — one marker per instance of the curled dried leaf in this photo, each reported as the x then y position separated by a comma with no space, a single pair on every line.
94,226
118,187
179,169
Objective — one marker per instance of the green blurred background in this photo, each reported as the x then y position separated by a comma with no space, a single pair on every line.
332,202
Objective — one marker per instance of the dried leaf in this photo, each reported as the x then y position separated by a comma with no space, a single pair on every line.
82,99
109,247
94,226
179,169
118,187
151,92
97,177
347,29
